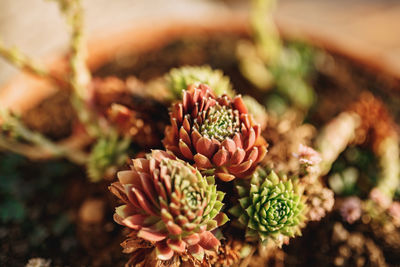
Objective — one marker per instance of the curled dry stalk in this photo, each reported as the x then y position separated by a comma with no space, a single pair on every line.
41,148
367,115
335,137
265,33
15,57
80,77
37,146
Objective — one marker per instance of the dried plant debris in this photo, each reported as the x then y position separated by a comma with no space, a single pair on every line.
354,249
320,201
284,135
38,262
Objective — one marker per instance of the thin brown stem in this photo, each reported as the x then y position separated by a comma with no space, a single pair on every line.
42,147
15,57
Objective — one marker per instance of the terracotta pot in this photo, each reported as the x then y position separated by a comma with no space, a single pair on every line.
25,91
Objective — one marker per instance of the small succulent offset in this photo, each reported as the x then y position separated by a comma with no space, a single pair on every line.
179,79
106,156
170,204
215,133
270,207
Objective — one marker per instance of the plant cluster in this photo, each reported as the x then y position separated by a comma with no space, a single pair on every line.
207,176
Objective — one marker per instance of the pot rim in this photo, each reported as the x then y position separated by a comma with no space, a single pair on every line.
24,91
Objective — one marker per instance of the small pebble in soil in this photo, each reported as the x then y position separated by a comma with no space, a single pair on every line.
92,211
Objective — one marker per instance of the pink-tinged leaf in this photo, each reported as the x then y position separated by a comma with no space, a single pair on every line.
175,209
206,147
239,104
148,187
118,190
141,164
200,106
226,177
132,197
225,100
262,151
151,236
163,251
195,110
128,177
159,155
177,112
135,222
173,228
202,162
237,157
192,239
252,154
238,140
209,103
174,130
244,118
197,94
166,181
241,167
195,137
208,241
185,150
186,124
153,163
184,136
143,202
250,140
190,88
187,101
244,131
221,157
176,245
216,142
257,130
196,251
229,145
182,220
118,219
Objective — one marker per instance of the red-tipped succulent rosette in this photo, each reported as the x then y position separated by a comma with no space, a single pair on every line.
215,133
169,203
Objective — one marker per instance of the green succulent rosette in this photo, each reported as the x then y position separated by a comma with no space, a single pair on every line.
271,207
179,79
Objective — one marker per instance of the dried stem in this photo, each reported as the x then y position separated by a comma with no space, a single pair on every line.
80,74
42,147
335,137
266,35
15,57
389,160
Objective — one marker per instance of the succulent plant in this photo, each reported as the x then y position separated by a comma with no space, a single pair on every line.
169,203
351,209
320,200
179,79
107,155
215,133
270,207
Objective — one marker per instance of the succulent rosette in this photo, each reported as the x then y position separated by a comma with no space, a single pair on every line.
170,204
270,207
215,133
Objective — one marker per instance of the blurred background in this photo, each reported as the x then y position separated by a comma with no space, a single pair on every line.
367,29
